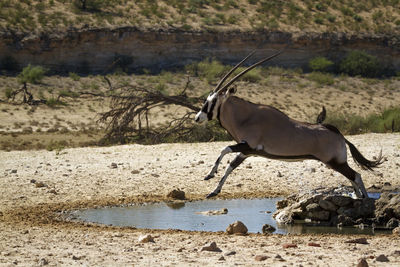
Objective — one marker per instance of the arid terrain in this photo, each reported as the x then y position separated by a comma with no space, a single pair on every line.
73,56
36,186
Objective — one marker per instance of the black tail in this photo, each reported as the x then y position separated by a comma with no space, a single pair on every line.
361,161
357,156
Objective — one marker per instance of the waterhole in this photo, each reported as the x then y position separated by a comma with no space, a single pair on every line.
192,216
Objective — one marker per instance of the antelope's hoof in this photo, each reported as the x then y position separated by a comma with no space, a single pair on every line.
208,177
213,194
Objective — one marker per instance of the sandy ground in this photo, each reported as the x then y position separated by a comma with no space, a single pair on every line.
32,235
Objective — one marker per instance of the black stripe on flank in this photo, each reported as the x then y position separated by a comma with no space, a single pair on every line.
247,150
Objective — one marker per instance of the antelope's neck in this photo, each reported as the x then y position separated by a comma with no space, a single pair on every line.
232,112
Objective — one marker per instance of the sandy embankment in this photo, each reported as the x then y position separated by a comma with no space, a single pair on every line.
83,177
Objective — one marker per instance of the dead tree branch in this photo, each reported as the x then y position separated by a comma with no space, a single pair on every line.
133,104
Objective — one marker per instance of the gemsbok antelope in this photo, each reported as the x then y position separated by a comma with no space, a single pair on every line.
262,130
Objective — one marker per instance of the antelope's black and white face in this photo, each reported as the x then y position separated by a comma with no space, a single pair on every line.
209,110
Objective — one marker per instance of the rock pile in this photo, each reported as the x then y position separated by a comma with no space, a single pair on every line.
333,208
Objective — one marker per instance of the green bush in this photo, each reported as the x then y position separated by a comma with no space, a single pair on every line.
361,63
387,121
32,74
320,64
321,78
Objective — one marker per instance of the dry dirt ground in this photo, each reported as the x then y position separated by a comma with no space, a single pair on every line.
32,235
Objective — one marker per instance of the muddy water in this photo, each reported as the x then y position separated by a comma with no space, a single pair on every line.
254,213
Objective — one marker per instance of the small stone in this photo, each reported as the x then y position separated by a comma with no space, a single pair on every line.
396,231
362,263
327,205
52,191
236,228
200,162
33,181
361,240
393,223
176,194
279,257
135,172
146,239
268,229
221,258
396,253
40,184
281,204
211,247
289,245
113,165
155,175
43,262
279,174
382,258
230,253
180,250
261,258
312,244
13,171
76,258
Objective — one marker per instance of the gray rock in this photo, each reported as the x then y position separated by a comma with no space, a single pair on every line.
211,247
396,231
321,215
362,263
382,258
261,258
327,205
281,204
393,223
236,228
266,229
230,253
361,240
344,220
146,239
113,165
313,207
340,201
176,194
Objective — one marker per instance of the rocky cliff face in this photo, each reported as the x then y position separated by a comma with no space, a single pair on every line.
94,50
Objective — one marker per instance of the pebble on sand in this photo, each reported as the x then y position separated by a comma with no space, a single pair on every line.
289,245
382,258
261,258
211,247
362,263
177,194
145,239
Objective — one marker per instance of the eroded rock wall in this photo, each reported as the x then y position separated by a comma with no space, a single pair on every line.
94,50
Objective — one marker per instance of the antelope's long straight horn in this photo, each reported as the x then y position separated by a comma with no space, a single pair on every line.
232,70
249,69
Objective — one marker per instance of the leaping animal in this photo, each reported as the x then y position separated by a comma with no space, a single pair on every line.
262,130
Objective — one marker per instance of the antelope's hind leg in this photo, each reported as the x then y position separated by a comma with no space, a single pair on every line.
236,162
229,149
353,176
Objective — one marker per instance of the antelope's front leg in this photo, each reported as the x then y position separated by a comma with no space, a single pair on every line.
214,170
236,162
229,149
